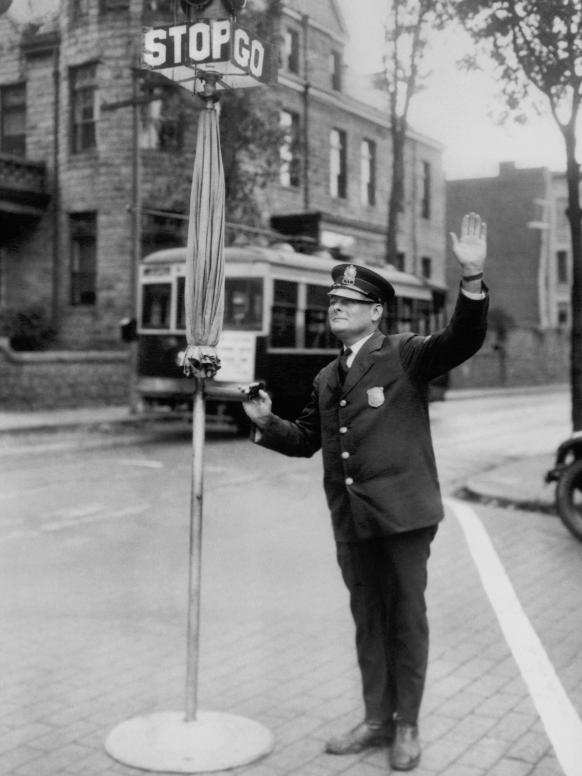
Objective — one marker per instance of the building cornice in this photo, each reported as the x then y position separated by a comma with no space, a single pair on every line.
354,106
342,38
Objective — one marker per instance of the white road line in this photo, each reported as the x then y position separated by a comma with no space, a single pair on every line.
558,715
69,521
140,462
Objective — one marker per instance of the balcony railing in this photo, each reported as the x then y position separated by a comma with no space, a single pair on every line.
23,185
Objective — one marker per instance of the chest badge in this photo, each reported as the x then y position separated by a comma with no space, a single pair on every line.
375,396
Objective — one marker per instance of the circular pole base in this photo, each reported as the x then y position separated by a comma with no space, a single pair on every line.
165,742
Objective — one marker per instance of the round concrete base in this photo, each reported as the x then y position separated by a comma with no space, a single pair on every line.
166,742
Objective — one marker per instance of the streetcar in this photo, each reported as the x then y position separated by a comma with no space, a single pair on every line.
274,327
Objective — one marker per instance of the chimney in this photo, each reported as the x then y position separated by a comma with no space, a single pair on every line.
505,168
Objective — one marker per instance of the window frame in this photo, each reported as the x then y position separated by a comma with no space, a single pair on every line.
18,147
291,50
426,201
83,96
252,290
426,267
167,325
290,310
321,309
368,155
338,174
289,158
83,235
336,70
562,269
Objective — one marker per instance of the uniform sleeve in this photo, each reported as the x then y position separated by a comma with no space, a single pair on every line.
300,438
428,357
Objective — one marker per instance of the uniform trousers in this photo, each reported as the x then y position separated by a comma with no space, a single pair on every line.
386,578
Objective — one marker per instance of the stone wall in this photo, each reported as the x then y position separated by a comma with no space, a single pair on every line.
528,357
55,379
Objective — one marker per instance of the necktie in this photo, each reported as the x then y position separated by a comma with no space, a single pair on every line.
343,364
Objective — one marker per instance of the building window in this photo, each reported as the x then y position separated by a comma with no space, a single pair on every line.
562,266
160,6
162,122
401,261
426,267
563,314
426,190
83,232
13,119
368,172
291,50
84,107
79,10
288,151
337,164
335,69
113,5
562,220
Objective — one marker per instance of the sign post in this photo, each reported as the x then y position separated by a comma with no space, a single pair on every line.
204,54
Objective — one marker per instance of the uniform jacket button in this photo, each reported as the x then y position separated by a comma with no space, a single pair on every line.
349,481
343,429
345,454
343,403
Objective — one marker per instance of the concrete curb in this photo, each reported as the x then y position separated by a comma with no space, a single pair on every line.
473,494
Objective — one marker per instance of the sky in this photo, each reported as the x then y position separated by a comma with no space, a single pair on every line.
454,108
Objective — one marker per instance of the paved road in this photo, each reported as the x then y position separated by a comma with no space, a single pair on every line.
93,546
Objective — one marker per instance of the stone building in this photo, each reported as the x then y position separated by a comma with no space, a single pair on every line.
89,163
528,272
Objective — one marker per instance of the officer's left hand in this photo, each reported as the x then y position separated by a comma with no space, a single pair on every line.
471,248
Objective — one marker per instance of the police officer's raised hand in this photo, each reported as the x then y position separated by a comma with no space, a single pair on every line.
471,247
257,405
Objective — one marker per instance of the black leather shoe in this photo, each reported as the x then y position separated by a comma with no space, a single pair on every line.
405,752
363,736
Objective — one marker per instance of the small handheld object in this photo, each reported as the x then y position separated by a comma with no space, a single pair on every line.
252,390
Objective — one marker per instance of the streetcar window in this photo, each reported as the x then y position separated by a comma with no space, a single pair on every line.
398,316
283,331
243,303
317,333
405,315
156,305
424,317
181,303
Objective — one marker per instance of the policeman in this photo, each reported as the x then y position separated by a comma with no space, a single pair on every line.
368,412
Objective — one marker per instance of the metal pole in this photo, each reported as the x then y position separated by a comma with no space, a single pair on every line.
198,433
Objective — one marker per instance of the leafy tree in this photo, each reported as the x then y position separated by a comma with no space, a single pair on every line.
536,47
249,127
407,25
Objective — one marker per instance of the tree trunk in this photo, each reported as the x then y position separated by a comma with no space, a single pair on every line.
395,203
574,213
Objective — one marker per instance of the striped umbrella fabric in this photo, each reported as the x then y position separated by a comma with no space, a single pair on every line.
204,292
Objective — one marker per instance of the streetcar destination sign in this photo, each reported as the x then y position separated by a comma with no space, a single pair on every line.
187,52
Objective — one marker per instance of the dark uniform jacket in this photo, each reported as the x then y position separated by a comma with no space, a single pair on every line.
380,475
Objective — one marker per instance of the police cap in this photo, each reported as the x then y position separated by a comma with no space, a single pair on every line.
353,281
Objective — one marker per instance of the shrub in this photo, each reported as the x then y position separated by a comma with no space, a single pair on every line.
28,328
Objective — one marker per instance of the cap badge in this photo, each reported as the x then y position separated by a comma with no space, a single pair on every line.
349,277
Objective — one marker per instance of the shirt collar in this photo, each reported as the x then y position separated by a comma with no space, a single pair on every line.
357,345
